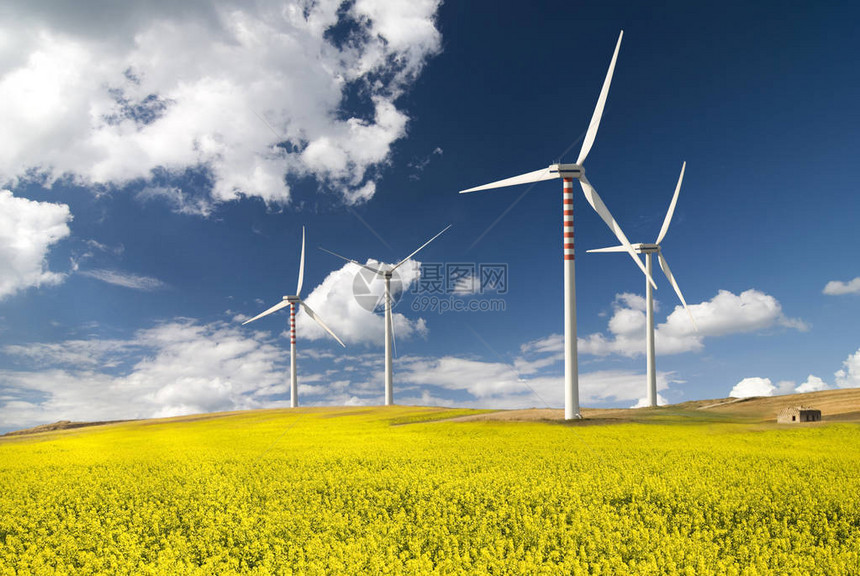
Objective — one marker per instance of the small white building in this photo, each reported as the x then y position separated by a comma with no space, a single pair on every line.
795,414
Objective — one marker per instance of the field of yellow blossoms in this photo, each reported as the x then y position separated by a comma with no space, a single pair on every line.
391,491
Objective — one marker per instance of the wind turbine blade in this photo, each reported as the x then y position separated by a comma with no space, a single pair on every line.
319,321
665,266
393,337
671,211
591,134
374,270
275,308
610,249
536,176
302,265
421,248
599,207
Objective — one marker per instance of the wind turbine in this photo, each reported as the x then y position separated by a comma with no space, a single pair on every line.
568,173
649,250
387,273
293,302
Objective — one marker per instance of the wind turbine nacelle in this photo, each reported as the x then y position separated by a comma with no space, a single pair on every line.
567,170
646,248
292,299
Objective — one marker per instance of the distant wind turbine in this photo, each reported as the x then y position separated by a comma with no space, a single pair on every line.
293,302
649,250
568,173
387,273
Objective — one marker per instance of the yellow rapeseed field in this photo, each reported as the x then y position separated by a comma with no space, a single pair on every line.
382,491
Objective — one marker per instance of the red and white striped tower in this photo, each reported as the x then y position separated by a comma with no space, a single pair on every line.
294,302
571,377
294,385
568,173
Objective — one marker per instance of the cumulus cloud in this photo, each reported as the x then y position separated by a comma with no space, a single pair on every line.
749,387
28,229
246,96
644,403
125,279
724,314
184,367
532,379
180,367
849,375
350,300
837,288
785,387
812,384
634,302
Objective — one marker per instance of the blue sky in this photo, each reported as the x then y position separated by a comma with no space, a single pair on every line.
159,162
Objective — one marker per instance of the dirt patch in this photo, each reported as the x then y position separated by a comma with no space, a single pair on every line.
61,425
842,405
835,406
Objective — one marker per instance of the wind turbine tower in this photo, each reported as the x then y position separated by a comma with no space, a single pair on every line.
649,250
387,273
294,301
568,173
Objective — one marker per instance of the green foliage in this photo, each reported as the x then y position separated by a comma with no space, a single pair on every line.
343,491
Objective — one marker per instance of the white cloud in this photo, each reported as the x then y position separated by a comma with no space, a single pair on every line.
812,384
184,367
849,375
727,313
784,387
93,248
182,202
79,354
620,385
125,279
245,93
724,314
177,368
552,343
501,385
749,387
644,403
634,301
837,288
344,301
27,231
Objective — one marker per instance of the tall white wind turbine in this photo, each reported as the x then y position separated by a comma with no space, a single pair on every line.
294,302
387,273
568,173
649,250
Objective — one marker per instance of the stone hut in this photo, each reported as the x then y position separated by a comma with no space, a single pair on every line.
795,414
